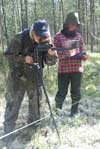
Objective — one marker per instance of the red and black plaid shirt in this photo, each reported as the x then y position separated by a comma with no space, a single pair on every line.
67,64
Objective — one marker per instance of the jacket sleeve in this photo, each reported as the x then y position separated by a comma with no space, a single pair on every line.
79,55
13,51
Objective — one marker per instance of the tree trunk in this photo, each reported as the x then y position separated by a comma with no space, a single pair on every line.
4,21
24,15
54,15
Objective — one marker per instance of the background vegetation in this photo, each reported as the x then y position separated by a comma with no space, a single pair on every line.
15,15
83,131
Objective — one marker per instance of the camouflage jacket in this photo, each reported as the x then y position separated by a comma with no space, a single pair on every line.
17,49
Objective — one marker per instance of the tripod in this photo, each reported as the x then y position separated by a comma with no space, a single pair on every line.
38,71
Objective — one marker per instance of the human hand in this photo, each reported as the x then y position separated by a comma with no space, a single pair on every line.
71,52
85,57
52,52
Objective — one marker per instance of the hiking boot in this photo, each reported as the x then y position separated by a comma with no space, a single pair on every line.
74,109
58,105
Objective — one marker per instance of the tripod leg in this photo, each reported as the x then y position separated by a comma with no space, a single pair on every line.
47,98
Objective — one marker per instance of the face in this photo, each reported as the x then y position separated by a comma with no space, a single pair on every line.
40,39
35,37
46,39
72,27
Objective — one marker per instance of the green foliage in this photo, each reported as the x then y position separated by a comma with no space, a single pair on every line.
50,77
36,9
91,75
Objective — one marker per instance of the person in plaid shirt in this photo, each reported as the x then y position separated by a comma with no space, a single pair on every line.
70,67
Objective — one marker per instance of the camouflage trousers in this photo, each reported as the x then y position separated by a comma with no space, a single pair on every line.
16,88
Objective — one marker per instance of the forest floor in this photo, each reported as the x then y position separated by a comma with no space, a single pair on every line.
80,132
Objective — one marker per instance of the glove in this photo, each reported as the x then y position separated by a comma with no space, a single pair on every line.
81,56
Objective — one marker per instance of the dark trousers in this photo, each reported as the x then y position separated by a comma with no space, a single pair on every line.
74,79
16,89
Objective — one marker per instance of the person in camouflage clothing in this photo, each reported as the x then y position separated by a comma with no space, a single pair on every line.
22,77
